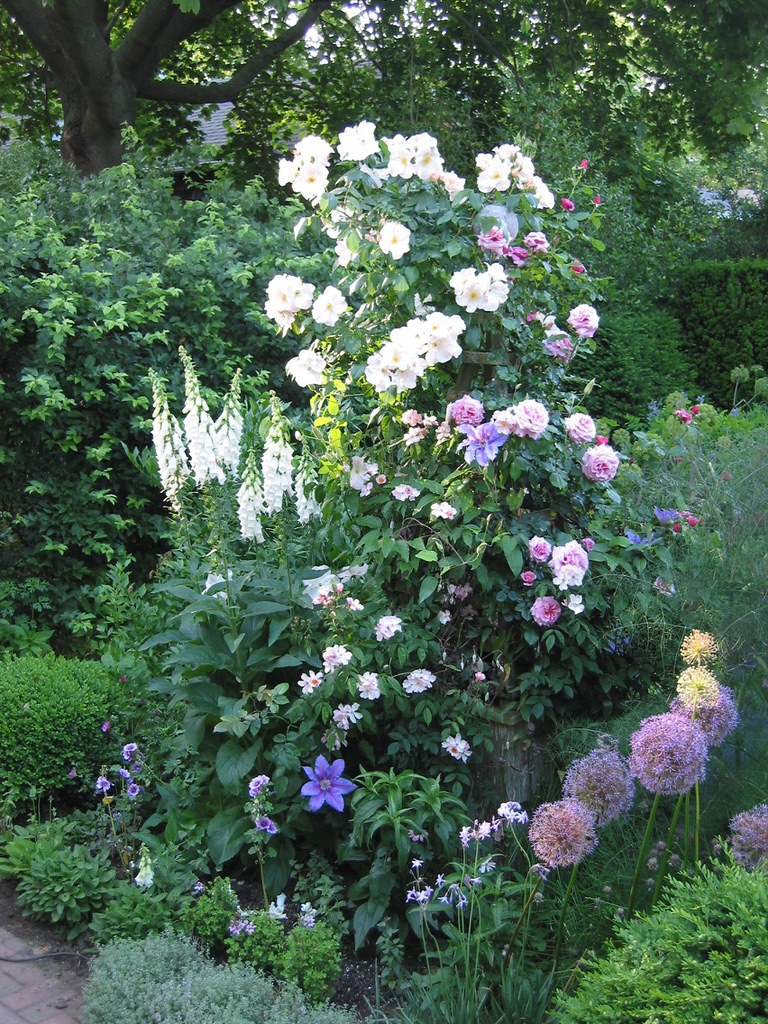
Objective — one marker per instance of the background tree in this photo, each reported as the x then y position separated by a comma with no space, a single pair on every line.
687,74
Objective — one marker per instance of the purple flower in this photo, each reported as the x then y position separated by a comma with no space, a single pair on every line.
665,515
601,781
255,786
265,824
326,785
668,753
133,791
129,750
482,442
749,837
562,833
73,773
102,784
717,719
123,773
106,726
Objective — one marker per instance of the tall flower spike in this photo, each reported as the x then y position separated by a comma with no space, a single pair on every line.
198,426
277,461
307,506
228,428
169,443
250,501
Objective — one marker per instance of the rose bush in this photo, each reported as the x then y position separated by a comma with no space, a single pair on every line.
437,530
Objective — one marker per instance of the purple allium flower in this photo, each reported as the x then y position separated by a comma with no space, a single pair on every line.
717,718
255,786
129,750
601,781
265,824
133,791
482,442
749,837
668,753
102,784
562,833
326,785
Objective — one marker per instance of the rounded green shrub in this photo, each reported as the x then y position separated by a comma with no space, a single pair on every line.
66,886
701,955
312,959
51,713
167,979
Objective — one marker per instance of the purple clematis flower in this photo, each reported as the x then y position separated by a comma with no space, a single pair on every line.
326,785
665,515
482,442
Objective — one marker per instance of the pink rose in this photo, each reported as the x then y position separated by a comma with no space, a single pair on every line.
517,254
539,549
597,200
545,611
567,204
580,428
577,268
587,543
683,415
493,240
528,578
536,241
600,463
584,320
530,419
584,165
465,410
569,564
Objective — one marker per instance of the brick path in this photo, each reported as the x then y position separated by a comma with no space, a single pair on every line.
38,992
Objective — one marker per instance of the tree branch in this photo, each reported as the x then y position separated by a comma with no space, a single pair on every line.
486,44
30,17
166,90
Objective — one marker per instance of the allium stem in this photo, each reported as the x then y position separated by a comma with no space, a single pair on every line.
561,919
642,855
665,856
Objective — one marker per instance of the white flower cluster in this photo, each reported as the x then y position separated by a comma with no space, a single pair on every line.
286,296
506,164
423,342
199,428
276,463
416,155
486,290
250,502
168,440
307,173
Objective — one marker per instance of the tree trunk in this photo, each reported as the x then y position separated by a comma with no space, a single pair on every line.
92,135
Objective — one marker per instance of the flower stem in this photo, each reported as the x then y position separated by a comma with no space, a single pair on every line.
665,855
561,920
642,855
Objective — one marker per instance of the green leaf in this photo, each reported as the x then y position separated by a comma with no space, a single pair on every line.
233,764
226,835
427,556
428,587
513,554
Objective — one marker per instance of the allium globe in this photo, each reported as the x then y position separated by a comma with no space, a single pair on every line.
562,833
668,753
749,837
601,781
717,718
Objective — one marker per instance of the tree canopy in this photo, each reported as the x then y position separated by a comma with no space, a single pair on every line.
82,69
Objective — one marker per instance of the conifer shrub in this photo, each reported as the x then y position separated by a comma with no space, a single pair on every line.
701,955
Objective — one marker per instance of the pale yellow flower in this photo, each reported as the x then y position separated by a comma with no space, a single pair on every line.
697,687
699,647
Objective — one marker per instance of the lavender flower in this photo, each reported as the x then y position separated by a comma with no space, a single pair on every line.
601,781
129,751
265,824
668,753
717,718
133,791
562,833
255,786
482,442
326,785
749,837
102,784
